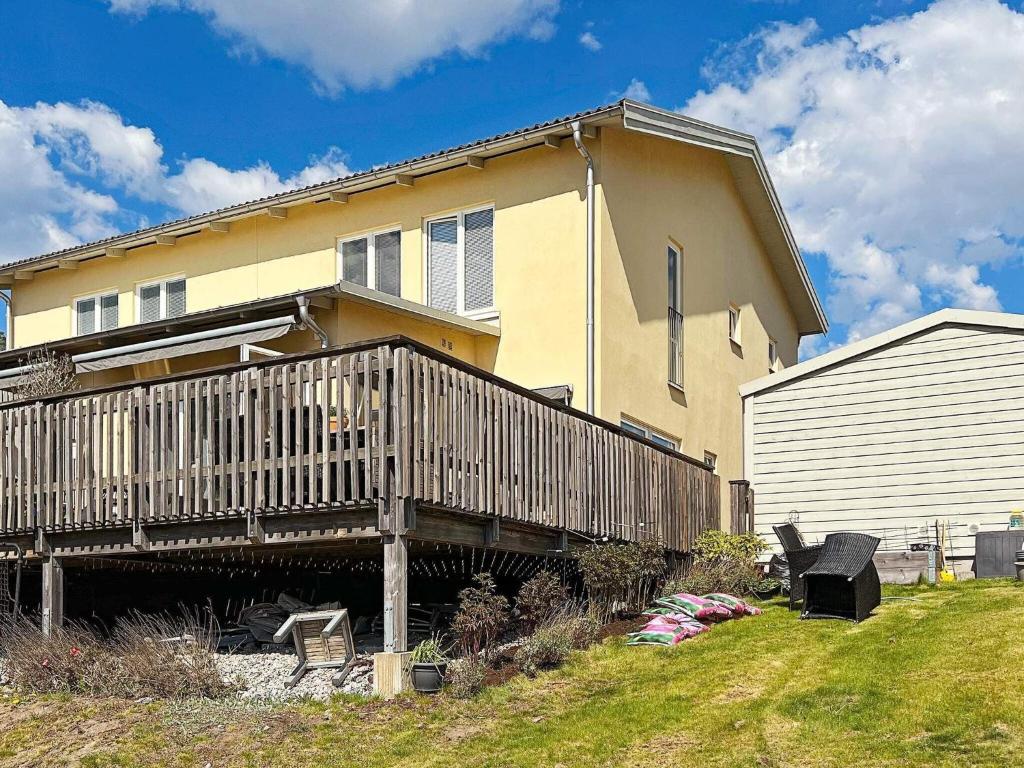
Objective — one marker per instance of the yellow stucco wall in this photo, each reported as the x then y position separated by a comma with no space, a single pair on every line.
539,229
650,191
655,192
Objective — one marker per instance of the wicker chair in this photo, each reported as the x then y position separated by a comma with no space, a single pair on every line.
799,557
843,583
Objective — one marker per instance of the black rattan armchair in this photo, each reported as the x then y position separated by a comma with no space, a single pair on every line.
799,557
843,583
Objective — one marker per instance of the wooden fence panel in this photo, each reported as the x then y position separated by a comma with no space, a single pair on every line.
478,447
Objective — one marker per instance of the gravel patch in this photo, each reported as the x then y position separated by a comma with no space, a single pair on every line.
262,674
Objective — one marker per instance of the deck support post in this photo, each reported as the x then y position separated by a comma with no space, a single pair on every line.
53,594
396,593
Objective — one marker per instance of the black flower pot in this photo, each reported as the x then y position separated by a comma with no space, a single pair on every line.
428,678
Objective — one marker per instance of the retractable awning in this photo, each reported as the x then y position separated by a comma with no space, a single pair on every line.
185,344
170,346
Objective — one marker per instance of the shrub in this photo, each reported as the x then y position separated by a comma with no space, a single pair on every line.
51,374
546,648
483,614
722,562
550,645
730,577
719,546
622,577
465,677
156,656
539,598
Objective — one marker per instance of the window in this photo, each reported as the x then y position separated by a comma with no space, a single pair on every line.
460,262
773,356
95,313
642,431
675,317
373,260
711,460
161,301
734,324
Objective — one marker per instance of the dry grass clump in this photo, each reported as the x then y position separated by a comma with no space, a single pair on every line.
160,656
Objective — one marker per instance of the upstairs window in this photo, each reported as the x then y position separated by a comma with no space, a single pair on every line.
734,324
675,316
373,261
460,262
162,301
95,313
773,356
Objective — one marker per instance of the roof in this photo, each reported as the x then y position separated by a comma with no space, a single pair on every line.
741,151
944,317
234,313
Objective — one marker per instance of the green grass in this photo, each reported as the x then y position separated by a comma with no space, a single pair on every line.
933,681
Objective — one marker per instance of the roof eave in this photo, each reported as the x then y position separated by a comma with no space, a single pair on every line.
966,317
360,182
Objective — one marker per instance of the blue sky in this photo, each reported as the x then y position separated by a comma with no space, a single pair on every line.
120,113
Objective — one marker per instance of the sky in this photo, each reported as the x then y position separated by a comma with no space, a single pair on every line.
891,128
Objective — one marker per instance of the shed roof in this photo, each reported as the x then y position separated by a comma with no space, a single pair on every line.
944,317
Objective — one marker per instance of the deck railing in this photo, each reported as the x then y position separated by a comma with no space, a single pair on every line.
341,428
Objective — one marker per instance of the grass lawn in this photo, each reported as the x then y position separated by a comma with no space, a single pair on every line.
933,681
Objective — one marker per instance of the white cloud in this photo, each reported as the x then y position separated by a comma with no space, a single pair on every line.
66,171
364,44
589,41
896,150
636,90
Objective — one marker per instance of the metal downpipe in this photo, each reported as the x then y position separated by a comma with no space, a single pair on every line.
577,137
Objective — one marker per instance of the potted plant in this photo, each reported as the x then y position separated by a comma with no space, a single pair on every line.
767,588
429,664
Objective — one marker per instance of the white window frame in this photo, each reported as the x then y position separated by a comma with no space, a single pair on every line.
642,430
711,461
95,298
485,313
735,327
773,355
371,255
162,282
676,303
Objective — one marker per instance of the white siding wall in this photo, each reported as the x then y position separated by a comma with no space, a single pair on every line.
931,428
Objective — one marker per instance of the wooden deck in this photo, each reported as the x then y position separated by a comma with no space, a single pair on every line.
386,440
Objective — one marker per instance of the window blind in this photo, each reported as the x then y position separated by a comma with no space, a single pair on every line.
108,312
149,301
387,250
443,262
85,321
175,298
479,260
353,261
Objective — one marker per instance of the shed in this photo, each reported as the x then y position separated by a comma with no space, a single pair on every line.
887,436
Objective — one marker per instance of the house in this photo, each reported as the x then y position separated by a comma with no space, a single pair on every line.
918,427
481,251
521,345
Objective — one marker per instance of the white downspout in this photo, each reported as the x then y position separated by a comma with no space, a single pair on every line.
577,137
